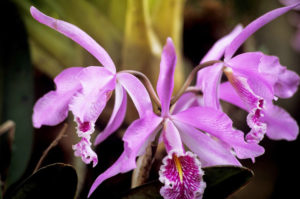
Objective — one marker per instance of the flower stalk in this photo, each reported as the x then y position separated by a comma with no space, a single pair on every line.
147,84
190,78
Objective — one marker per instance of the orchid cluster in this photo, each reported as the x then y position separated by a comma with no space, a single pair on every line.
193,118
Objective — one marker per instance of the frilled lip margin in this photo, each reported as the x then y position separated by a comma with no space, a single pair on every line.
182,176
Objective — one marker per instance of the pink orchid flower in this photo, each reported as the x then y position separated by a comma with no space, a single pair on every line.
255,80
85,92
219,145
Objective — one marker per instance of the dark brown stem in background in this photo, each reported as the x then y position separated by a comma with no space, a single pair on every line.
53,144
147,84
8,126
190,78
143,165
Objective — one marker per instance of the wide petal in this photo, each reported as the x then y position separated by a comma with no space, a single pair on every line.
208,81
242,88
260,71
140,133
287,83
280,124
265,75
228,94
137,93
77,35
53,107
182,176
217,50
171,137
210,151
165,83
97,84
136,139
219,125
254,104
117,116
253,27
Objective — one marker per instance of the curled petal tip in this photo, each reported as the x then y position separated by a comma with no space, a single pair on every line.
169,40
83,149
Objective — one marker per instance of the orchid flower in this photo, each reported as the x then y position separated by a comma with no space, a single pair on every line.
85,92
205,131
255,80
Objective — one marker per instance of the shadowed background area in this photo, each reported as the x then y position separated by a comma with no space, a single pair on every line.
133,33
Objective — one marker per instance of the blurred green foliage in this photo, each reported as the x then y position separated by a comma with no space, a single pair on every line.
17,91
132,31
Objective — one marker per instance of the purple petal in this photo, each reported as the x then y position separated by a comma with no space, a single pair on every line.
253,103
228,94
165,83
280,124
122,165
117,116
136,139
217,51
77,35
242,88
287,84
260,71
182,176
83,149
219,125
254,121
97,84
171,137
137,93
210,150
255,117
84,129
265,75
208,81
184,102
52,108
253,27
140,133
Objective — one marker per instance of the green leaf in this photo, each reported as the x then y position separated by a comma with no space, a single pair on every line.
53,181
222,181
86,16
141,49
43,61
117,13
146,191
17,90
167,20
